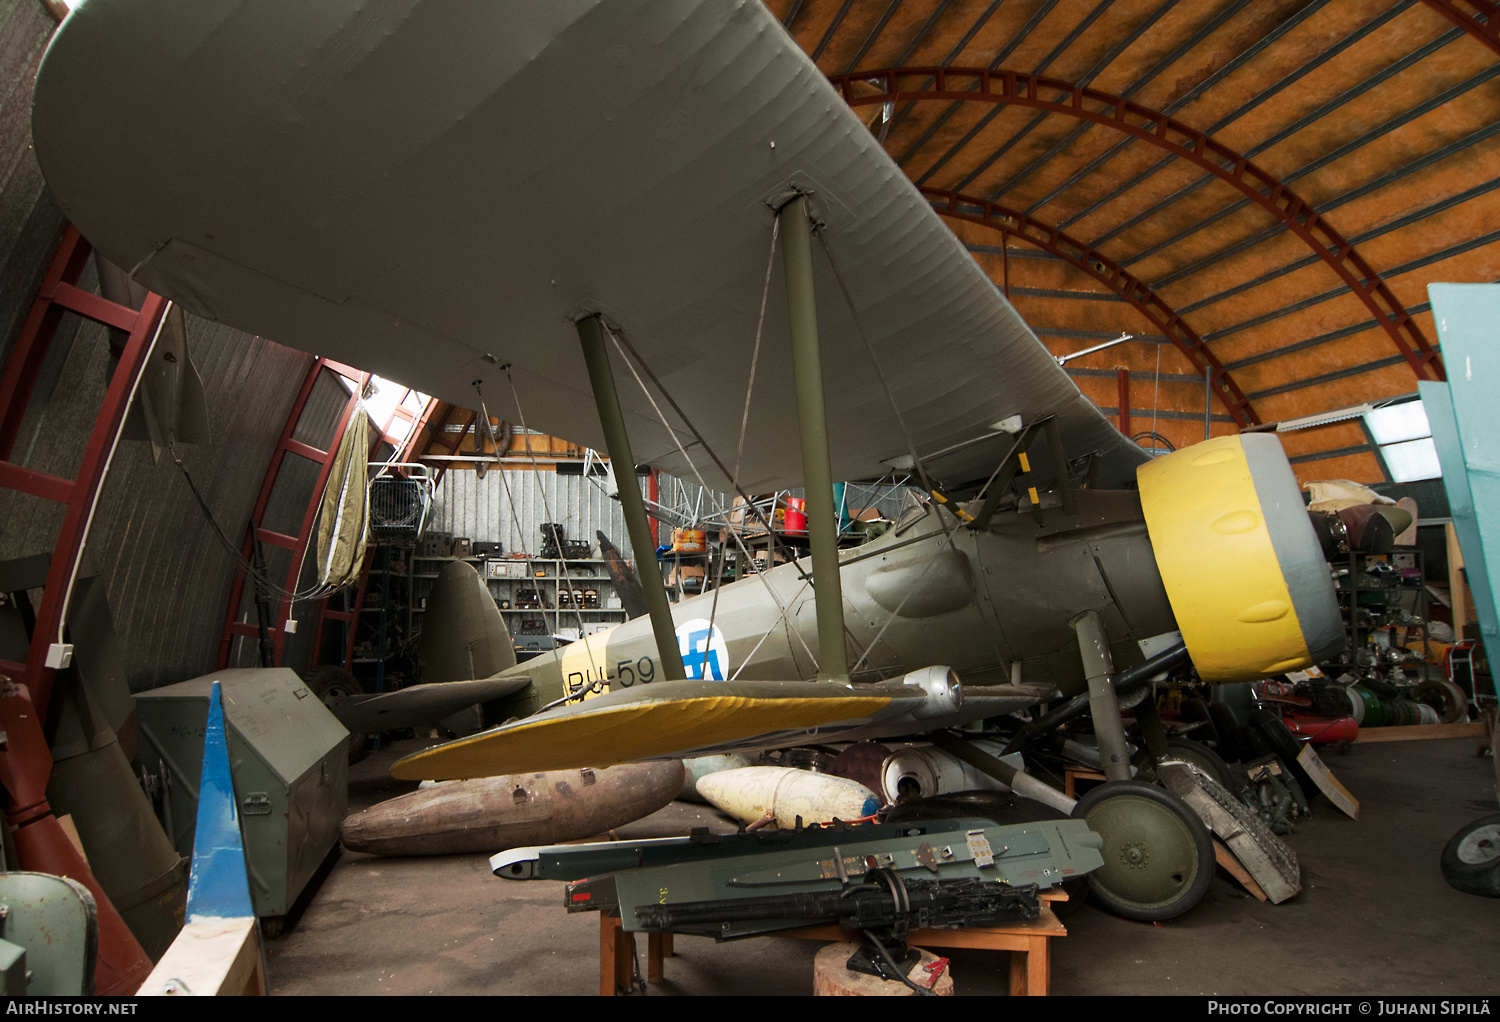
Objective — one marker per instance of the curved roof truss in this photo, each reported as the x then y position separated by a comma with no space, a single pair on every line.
1001,87
1109,273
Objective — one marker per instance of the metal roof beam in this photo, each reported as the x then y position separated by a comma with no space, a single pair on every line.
1171,108
1434,103
1245,108
1395,271
1390,177
1203,32
832,28
1009,88
885,19
1093,72
1337,374
1032,231
1337,452
1482,20
942,118
1057,51
1289,130
1358,239
952,55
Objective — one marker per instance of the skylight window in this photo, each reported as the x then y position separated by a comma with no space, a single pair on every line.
1405,442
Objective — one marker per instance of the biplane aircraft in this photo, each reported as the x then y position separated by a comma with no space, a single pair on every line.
520,204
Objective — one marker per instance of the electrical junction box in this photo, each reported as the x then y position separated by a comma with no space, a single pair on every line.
288,756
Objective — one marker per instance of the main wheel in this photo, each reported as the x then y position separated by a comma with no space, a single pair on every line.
1158,856
1471,860
332,684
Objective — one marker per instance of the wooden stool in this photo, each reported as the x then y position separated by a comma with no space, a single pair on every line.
1030,956
832,978
1073,773
1027,942
617,955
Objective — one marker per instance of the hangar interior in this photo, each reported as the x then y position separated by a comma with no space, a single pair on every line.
1130,520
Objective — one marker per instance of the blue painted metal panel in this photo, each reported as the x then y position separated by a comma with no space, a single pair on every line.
1460,501
219,886
1463,415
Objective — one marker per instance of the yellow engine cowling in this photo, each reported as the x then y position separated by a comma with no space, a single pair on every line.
1246,577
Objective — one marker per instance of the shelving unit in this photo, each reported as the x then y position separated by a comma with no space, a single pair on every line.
1369,608
547,577
383,623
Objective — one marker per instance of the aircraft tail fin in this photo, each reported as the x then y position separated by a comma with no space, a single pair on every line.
464,637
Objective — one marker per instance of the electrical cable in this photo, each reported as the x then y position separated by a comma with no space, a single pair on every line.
263,584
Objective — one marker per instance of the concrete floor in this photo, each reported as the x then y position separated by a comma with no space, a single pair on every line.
1374,916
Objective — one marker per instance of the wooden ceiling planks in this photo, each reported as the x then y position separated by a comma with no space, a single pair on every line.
1381,115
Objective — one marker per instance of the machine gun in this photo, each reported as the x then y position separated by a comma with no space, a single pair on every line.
883,906
881,901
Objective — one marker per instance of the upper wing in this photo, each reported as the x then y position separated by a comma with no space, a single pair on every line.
431,190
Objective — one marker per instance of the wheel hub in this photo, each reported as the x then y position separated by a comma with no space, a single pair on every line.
1135,855
1480,847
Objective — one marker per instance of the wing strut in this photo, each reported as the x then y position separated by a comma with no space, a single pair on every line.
812,423
617,442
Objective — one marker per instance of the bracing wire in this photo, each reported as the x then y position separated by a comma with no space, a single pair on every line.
263,584
911,444
620,346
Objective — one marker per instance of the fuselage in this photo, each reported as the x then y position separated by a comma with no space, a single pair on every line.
927,592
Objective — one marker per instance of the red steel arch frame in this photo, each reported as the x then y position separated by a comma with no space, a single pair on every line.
40,842
1466,13
402,452
981,85
296,544
1076,253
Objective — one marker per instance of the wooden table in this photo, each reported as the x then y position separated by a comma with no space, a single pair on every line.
1027,942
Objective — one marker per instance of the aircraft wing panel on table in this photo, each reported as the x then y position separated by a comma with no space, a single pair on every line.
431,190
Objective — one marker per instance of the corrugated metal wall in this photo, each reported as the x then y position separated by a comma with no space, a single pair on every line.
466,505
30,222
167,578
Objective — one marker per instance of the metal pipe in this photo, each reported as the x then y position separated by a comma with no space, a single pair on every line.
1018,781
1114,757
812,423
617,442
1126,682
1208,398
1063,360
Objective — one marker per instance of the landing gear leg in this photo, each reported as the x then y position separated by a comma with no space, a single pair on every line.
1114,758
1158,856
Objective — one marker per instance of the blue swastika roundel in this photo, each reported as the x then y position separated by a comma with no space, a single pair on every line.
704,654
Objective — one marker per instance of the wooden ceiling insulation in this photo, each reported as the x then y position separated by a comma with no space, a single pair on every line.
1264,187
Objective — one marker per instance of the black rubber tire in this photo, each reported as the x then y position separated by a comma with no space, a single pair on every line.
332,685
1158,856
1280,740
1471,860
1195,711
1231,741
